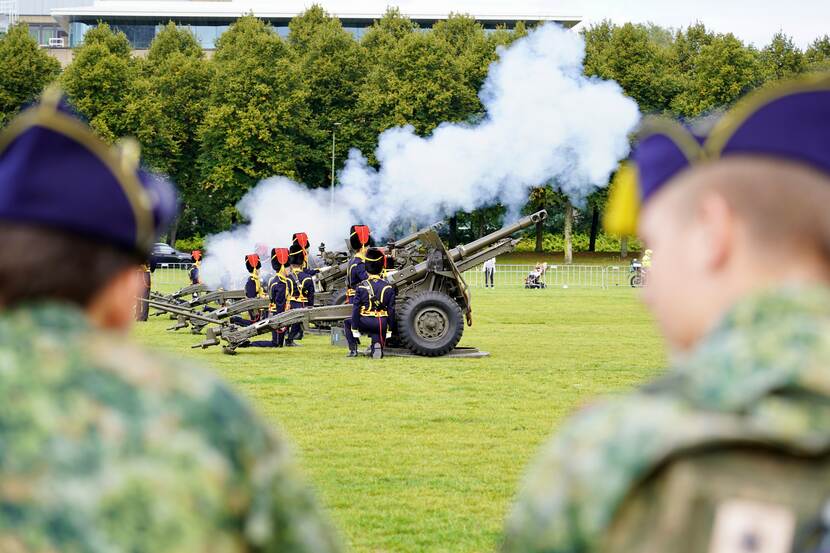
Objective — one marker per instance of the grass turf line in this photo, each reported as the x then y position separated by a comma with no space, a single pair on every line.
426,454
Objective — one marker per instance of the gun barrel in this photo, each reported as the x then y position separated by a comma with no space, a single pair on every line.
182,311
460,252
406,240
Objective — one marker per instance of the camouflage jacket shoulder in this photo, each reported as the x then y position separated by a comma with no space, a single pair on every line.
761,377
104,448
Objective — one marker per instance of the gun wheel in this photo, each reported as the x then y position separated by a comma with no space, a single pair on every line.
430,324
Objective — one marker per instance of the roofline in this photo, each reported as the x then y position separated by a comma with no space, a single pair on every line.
64,15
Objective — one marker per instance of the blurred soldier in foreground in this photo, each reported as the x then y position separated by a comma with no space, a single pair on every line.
374,307
730,451
103,447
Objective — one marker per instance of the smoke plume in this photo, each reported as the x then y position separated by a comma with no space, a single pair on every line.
544,122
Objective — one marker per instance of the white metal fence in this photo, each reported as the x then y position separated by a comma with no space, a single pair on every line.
172,274
506,276
571,276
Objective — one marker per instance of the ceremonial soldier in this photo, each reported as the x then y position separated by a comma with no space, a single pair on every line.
302,292
196,256
359,238
105,447
729,451
299,241
373,311
278,294
253,289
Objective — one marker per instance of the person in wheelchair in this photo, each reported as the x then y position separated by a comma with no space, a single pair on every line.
729,450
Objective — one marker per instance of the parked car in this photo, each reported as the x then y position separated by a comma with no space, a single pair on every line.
165,255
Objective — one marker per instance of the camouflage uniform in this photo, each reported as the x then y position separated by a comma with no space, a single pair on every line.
762,377
104,448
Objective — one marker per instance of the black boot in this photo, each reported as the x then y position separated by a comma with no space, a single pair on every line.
352,353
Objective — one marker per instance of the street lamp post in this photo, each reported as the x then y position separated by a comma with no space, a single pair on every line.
333,134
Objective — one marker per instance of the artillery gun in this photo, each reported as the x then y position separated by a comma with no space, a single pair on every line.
198,320
331,280
192,291
433,300
183,311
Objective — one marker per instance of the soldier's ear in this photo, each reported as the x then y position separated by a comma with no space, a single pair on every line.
716,231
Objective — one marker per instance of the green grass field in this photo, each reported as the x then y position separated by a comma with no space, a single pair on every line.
426,454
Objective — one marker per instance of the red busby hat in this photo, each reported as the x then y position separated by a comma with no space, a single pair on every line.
359,236
252,262
279,257
300,239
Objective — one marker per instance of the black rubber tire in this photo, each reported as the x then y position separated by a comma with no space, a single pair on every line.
636,281
338,298
437,308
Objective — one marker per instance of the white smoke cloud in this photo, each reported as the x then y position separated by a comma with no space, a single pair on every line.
544,122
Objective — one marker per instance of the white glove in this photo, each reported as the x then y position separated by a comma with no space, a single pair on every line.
388,334
355,333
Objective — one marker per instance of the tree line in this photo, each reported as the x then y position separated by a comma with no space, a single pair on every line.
263,105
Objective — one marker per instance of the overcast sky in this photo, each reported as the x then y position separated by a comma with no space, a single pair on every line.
754,21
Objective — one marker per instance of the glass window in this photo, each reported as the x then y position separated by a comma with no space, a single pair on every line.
77,30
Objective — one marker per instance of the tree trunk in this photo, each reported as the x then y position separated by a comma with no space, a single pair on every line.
592,244
173,233
481,220
539,236
624,247
569,223
453,231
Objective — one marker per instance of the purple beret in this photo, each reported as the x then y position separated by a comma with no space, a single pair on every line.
787,121
665,149
55,172
791,121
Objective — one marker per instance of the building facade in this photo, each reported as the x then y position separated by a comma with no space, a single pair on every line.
61,24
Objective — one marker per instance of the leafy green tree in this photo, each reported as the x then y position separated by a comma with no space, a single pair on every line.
333,66
418,82
257,121
628,55
179,77
781,59
385,33
504,37
684,54
465,40
172,40
106,84
817,55
25,69
725,70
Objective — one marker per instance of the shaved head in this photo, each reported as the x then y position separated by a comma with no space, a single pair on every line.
784,205
729,228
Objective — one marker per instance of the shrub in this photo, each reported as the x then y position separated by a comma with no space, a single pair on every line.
556,243
189,244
